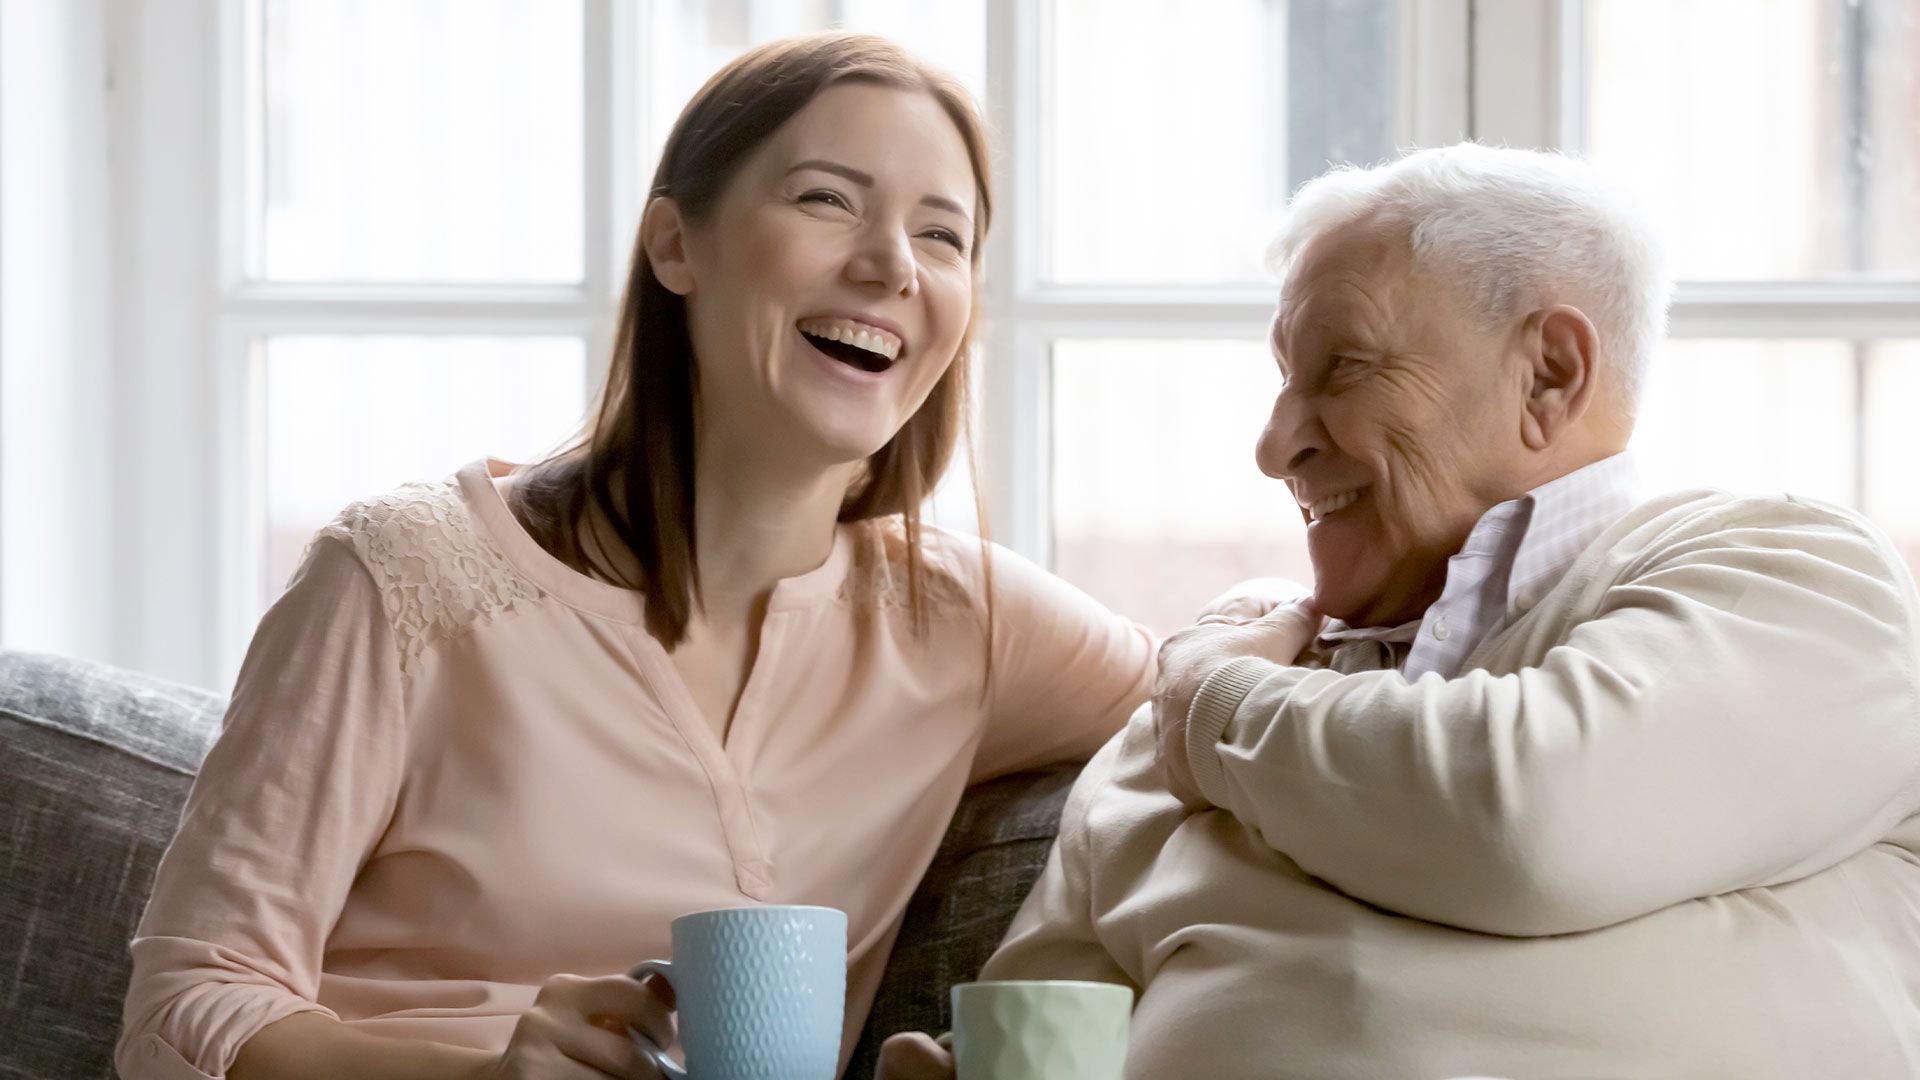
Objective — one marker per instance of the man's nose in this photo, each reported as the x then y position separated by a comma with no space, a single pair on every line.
1292,437
885,258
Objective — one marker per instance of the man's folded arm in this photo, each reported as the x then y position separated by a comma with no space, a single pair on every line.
1053,934
1739,712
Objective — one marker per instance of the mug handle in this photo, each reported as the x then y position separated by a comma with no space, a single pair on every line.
667,1066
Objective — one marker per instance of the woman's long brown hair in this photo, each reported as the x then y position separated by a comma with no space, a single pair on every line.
641,436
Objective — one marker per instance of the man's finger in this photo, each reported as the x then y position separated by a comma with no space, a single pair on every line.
1283,632
913,1055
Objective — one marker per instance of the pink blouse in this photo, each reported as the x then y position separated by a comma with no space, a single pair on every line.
453,767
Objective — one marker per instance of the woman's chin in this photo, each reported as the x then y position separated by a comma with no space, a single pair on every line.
836,448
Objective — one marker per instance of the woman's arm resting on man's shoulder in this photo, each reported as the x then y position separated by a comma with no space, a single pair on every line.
1066,671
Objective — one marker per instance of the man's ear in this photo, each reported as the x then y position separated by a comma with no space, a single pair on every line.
663,235
1564,360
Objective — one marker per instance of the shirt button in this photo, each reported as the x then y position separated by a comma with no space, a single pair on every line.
1526,600
1441,631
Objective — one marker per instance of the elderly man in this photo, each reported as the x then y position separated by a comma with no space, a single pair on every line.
1569,781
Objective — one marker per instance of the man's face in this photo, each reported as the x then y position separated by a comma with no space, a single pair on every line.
1397,426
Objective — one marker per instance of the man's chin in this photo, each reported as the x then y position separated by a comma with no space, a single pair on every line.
1339,597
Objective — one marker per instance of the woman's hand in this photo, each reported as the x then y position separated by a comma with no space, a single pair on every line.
912,1055
577,1027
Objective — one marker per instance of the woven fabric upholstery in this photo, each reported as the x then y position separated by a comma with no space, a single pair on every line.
992,854
94,766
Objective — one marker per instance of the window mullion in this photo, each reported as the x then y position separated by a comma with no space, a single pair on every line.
1524,72
1013,460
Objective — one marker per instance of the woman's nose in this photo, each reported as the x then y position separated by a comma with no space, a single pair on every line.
885,258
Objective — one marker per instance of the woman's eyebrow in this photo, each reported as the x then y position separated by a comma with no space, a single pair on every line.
865,180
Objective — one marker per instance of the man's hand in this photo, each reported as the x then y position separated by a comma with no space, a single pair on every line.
912,1055
1253,598
1189,656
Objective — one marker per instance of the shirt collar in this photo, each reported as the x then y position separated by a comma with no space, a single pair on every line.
1567,516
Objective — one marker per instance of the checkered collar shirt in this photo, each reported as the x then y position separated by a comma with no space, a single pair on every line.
1516,552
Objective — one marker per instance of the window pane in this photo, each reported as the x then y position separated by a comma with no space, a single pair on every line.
1173,134
1751,416
1773,139
348,418
1893,443
1157,504
686,41
422,141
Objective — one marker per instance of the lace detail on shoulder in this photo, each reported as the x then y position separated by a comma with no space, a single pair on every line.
438,575
879,574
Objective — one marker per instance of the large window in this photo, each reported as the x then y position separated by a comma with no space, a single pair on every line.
423,210
1777,145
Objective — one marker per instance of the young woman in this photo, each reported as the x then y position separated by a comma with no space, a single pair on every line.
502,729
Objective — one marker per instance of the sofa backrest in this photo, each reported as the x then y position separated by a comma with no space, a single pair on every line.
95,764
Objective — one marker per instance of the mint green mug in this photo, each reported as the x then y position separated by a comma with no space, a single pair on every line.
1041,1030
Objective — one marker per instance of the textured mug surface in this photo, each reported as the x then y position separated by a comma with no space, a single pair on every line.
760,991
1041,1030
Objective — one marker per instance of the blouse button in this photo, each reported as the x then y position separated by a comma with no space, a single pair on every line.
1441,631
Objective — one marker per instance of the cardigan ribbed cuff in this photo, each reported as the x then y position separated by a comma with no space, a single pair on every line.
1207,719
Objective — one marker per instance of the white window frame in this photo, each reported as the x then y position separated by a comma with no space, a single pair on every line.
248,311
1520,46
1027,314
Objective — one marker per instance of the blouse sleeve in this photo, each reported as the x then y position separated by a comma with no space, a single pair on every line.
286,809
1066,671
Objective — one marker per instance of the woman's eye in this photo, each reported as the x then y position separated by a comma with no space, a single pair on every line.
826,198
947,236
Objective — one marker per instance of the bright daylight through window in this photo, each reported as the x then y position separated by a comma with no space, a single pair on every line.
393,241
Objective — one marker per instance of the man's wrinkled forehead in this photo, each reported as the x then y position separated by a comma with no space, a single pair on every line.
1345,273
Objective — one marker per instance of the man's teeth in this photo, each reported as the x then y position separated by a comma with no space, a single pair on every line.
875,341
1332,503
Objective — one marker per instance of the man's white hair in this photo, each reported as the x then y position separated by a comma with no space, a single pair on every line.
1513,229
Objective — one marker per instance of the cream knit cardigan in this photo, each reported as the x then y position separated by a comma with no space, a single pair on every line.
1662,825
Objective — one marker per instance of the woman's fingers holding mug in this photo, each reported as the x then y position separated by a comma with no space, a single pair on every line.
622,1002
912,1055
558,1038
589,1020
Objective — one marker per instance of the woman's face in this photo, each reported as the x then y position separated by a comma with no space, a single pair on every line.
830,286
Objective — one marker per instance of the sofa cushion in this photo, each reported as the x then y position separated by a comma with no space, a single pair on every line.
993,853
95,764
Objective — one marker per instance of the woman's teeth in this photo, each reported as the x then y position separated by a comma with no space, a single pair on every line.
868,338
1334,502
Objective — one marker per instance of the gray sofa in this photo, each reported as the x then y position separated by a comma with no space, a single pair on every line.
95,763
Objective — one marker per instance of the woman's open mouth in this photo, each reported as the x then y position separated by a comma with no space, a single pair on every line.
863,347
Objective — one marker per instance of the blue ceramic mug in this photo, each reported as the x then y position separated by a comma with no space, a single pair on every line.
760,993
